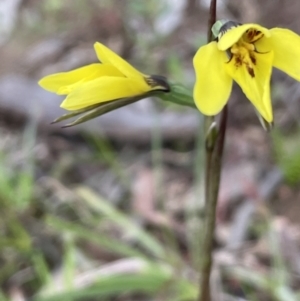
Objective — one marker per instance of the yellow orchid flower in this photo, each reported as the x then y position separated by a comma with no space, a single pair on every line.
246,54
101,87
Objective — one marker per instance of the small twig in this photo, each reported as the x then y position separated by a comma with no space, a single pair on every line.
212,19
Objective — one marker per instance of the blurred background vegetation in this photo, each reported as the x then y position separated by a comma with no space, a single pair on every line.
112,209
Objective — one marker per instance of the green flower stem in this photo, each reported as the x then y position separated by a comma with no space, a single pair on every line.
215,139
214,154
178,94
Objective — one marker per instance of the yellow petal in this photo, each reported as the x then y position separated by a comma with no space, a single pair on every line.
257,87
105,55
286,47
213,85
103,70
234,34
102,90
64,82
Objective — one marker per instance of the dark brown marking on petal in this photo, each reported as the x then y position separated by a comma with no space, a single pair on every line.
250,34
253,58
253,35
238,61
250,71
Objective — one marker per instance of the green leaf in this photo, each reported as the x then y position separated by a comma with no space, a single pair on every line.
287,154
149,279
127,225
97,238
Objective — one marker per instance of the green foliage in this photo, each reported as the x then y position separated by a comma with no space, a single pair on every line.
17,174
93,237
149,280
287,154
80,218
152,270
84,220
17,185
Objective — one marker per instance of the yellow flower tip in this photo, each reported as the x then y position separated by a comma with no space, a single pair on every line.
100,51
64,82
65,106
98,45
265,112
149,83
41,83
269,118
49,83
107,56
267,125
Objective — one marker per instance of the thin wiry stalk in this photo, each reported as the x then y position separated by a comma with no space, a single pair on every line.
212,19
214,152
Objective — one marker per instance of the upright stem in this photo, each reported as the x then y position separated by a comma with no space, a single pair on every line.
212,19
214,152
214,163
209,119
